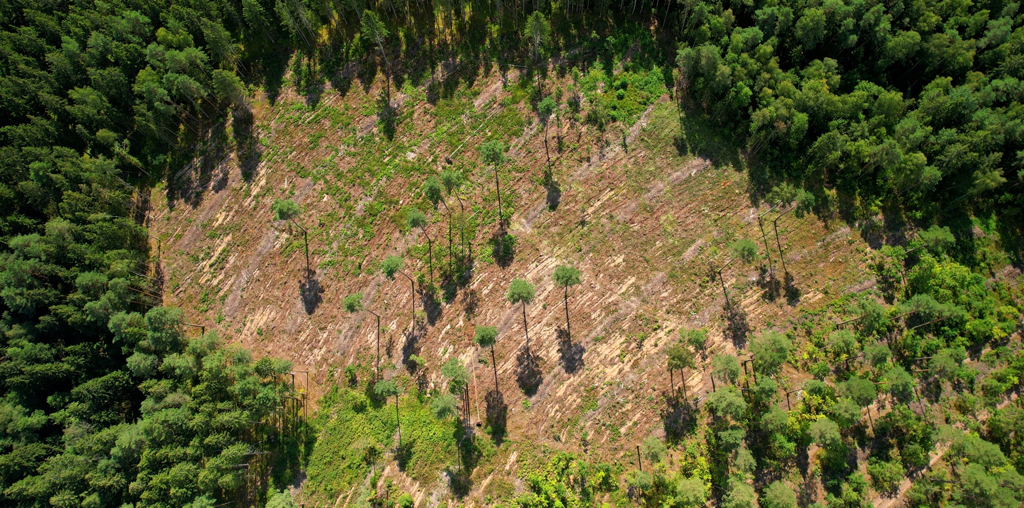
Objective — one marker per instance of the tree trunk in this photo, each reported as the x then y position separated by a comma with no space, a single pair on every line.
398,421
568,327
526,329
494,364
497,185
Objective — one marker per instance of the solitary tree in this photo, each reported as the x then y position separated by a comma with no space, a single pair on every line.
522,292
745,249
697,339
538,31
374,30
679,358
486,336
453,181
566,276
458,380
387,388
493,154
354,303
393,265
434,192
417,219
286,209
545,109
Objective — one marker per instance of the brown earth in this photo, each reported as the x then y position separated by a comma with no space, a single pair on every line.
648,227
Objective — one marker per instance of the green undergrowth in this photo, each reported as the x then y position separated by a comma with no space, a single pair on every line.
359,435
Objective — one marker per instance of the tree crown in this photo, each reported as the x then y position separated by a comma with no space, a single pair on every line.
486,336
386,388
416,219
433,190
458,376
353,302
520,291
679,357
285,209
390,266
492,152
566,276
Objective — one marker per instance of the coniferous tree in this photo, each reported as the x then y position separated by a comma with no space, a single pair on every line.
522,292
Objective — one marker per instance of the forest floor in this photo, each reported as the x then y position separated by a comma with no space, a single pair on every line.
645,211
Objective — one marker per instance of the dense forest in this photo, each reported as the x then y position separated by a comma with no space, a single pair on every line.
902,115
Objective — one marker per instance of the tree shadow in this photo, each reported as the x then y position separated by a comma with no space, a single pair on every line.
528,374
470,302
736,326
792,292
570,354
503,248
387,116
403,453
554,197
247,146
411,346
311,293
497,416
431,306
679,417
771,284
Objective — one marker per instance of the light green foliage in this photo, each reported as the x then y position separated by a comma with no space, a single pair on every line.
725,367
285,209
777,495
390,266
860,390
444,406
405,501
537,31
842,344
485,336
727,402
433,191
451,180
739,495
458,376
356,432
492,152
846,413
690,493
282,499
416,219
695,338
653,449
825,433
353,302
770,350
900,383
520,291
386,388
546,108
745,250
566,276
885,475
566,480
679,357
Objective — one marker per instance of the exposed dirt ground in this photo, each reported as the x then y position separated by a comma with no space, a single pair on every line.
647,225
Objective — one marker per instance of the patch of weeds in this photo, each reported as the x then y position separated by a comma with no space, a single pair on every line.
315,139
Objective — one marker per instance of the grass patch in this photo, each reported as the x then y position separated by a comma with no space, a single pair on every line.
359,433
